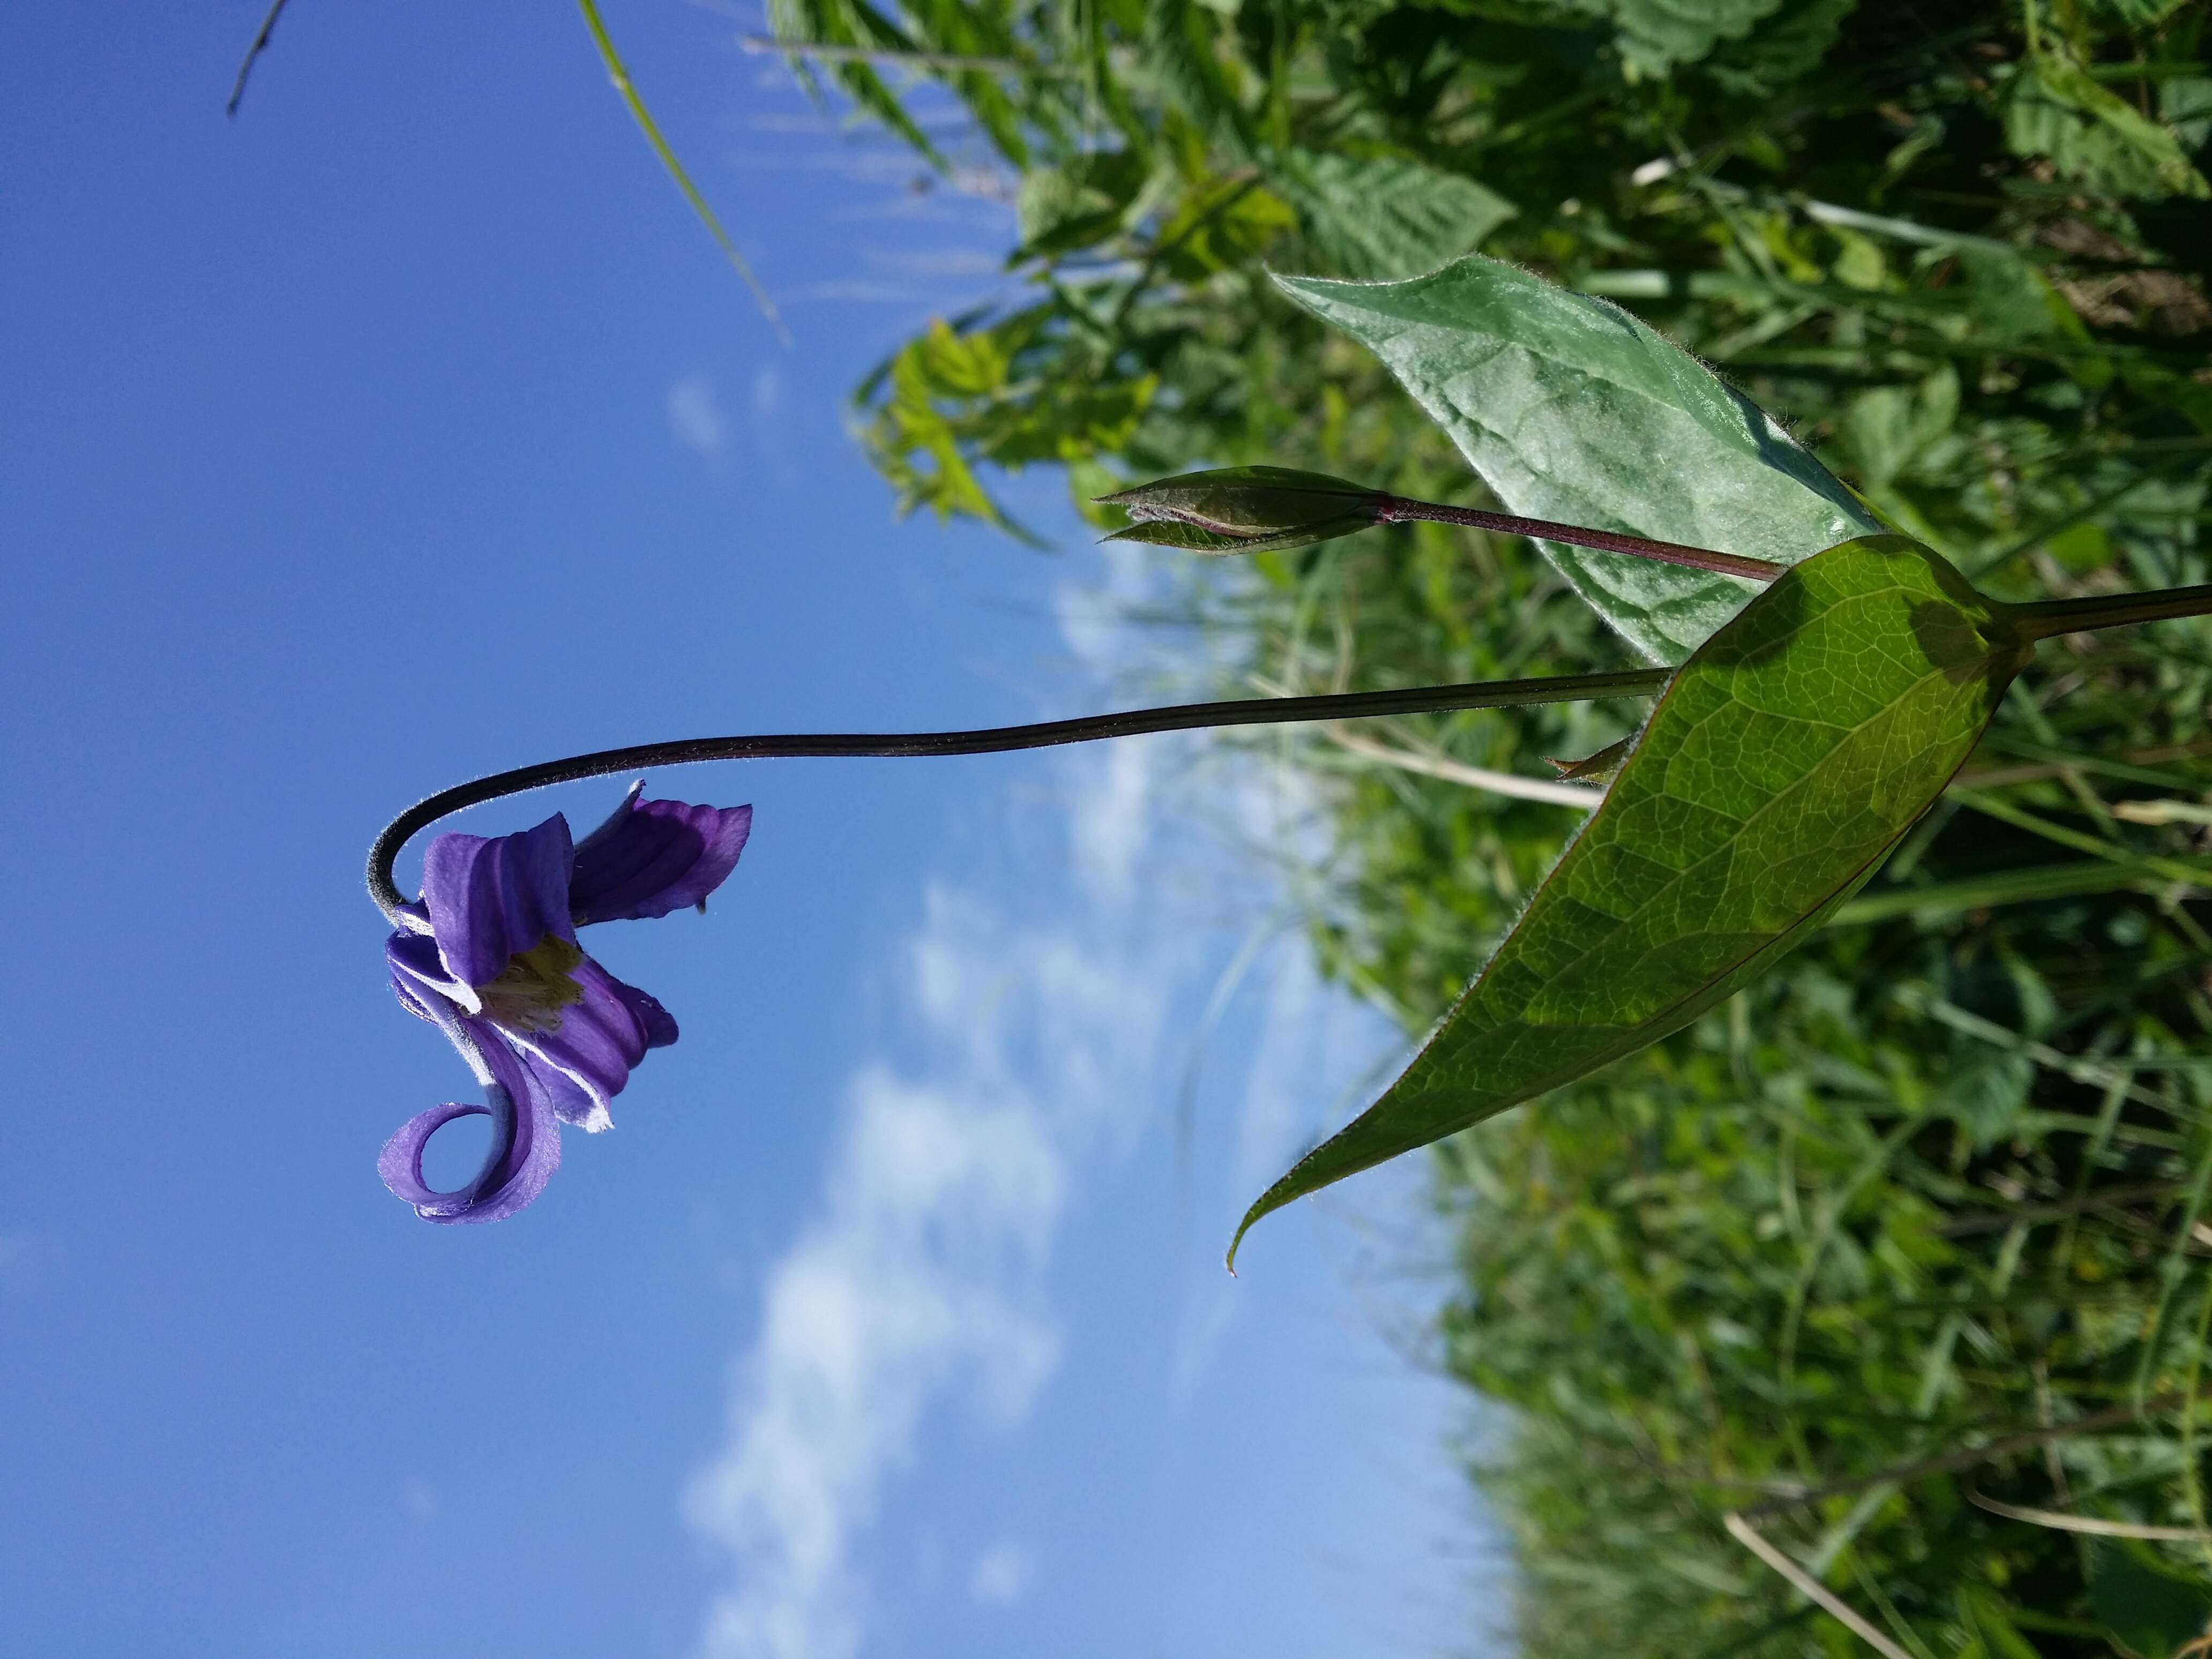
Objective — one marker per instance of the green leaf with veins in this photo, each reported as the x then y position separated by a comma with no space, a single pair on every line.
1655,36
1384,215
1571,409
2054,107
1778,768
1066,209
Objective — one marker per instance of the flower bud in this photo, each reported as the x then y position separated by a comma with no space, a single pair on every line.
1245,510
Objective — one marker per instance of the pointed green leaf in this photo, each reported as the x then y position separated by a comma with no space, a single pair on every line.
1654,35
1571,409
1385,215
1066,209
1221,225
1788,757
2054,107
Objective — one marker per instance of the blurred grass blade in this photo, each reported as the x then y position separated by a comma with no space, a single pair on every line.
1811,1588
2032,885
1778,768
2094,1526
620,76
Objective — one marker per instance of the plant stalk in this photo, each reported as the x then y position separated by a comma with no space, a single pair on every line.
990,740
2044,619
1397,509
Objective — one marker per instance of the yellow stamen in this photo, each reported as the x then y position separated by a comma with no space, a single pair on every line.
535,987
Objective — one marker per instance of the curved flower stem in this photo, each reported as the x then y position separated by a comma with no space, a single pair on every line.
990,741
1397,509
2045,619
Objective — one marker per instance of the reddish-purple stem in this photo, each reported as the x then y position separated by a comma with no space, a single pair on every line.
1396,509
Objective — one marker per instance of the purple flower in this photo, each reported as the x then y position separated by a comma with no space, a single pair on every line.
489,955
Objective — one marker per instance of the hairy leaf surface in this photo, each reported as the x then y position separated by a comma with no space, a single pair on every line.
1571,409
1779,767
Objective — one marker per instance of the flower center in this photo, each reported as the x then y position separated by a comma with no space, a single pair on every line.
535,987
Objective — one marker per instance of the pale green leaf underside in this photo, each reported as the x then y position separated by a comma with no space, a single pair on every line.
1571,409
1778,768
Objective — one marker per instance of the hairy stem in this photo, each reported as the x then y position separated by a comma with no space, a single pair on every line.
990,740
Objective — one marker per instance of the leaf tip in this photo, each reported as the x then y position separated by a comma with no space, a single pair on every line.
1274,1198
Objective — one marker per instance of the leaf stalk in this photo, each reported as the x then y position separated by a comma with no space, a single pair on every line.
1397,509
2044,619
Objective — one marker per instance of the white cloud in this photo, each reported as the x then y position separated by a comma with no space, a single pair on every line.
767,392
1094,620
1001,1576
1293,1016
900,1292
694,415
918,1283
1025,1051
957,262
1114,821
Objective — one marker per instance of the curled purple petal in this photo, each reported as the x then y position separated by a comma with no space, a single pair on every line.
583,1063
525,1145
525,1150
490,900
565,1098
651,857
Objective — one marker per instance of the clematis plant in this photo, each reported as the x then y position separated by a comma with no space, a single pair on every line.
1814,704
1840,701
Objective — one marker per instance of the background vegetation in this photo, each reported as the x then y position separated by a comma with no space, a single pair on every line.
1912,1237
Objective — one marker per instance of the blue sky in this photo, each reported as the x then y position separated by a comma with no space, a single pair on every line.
408,428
